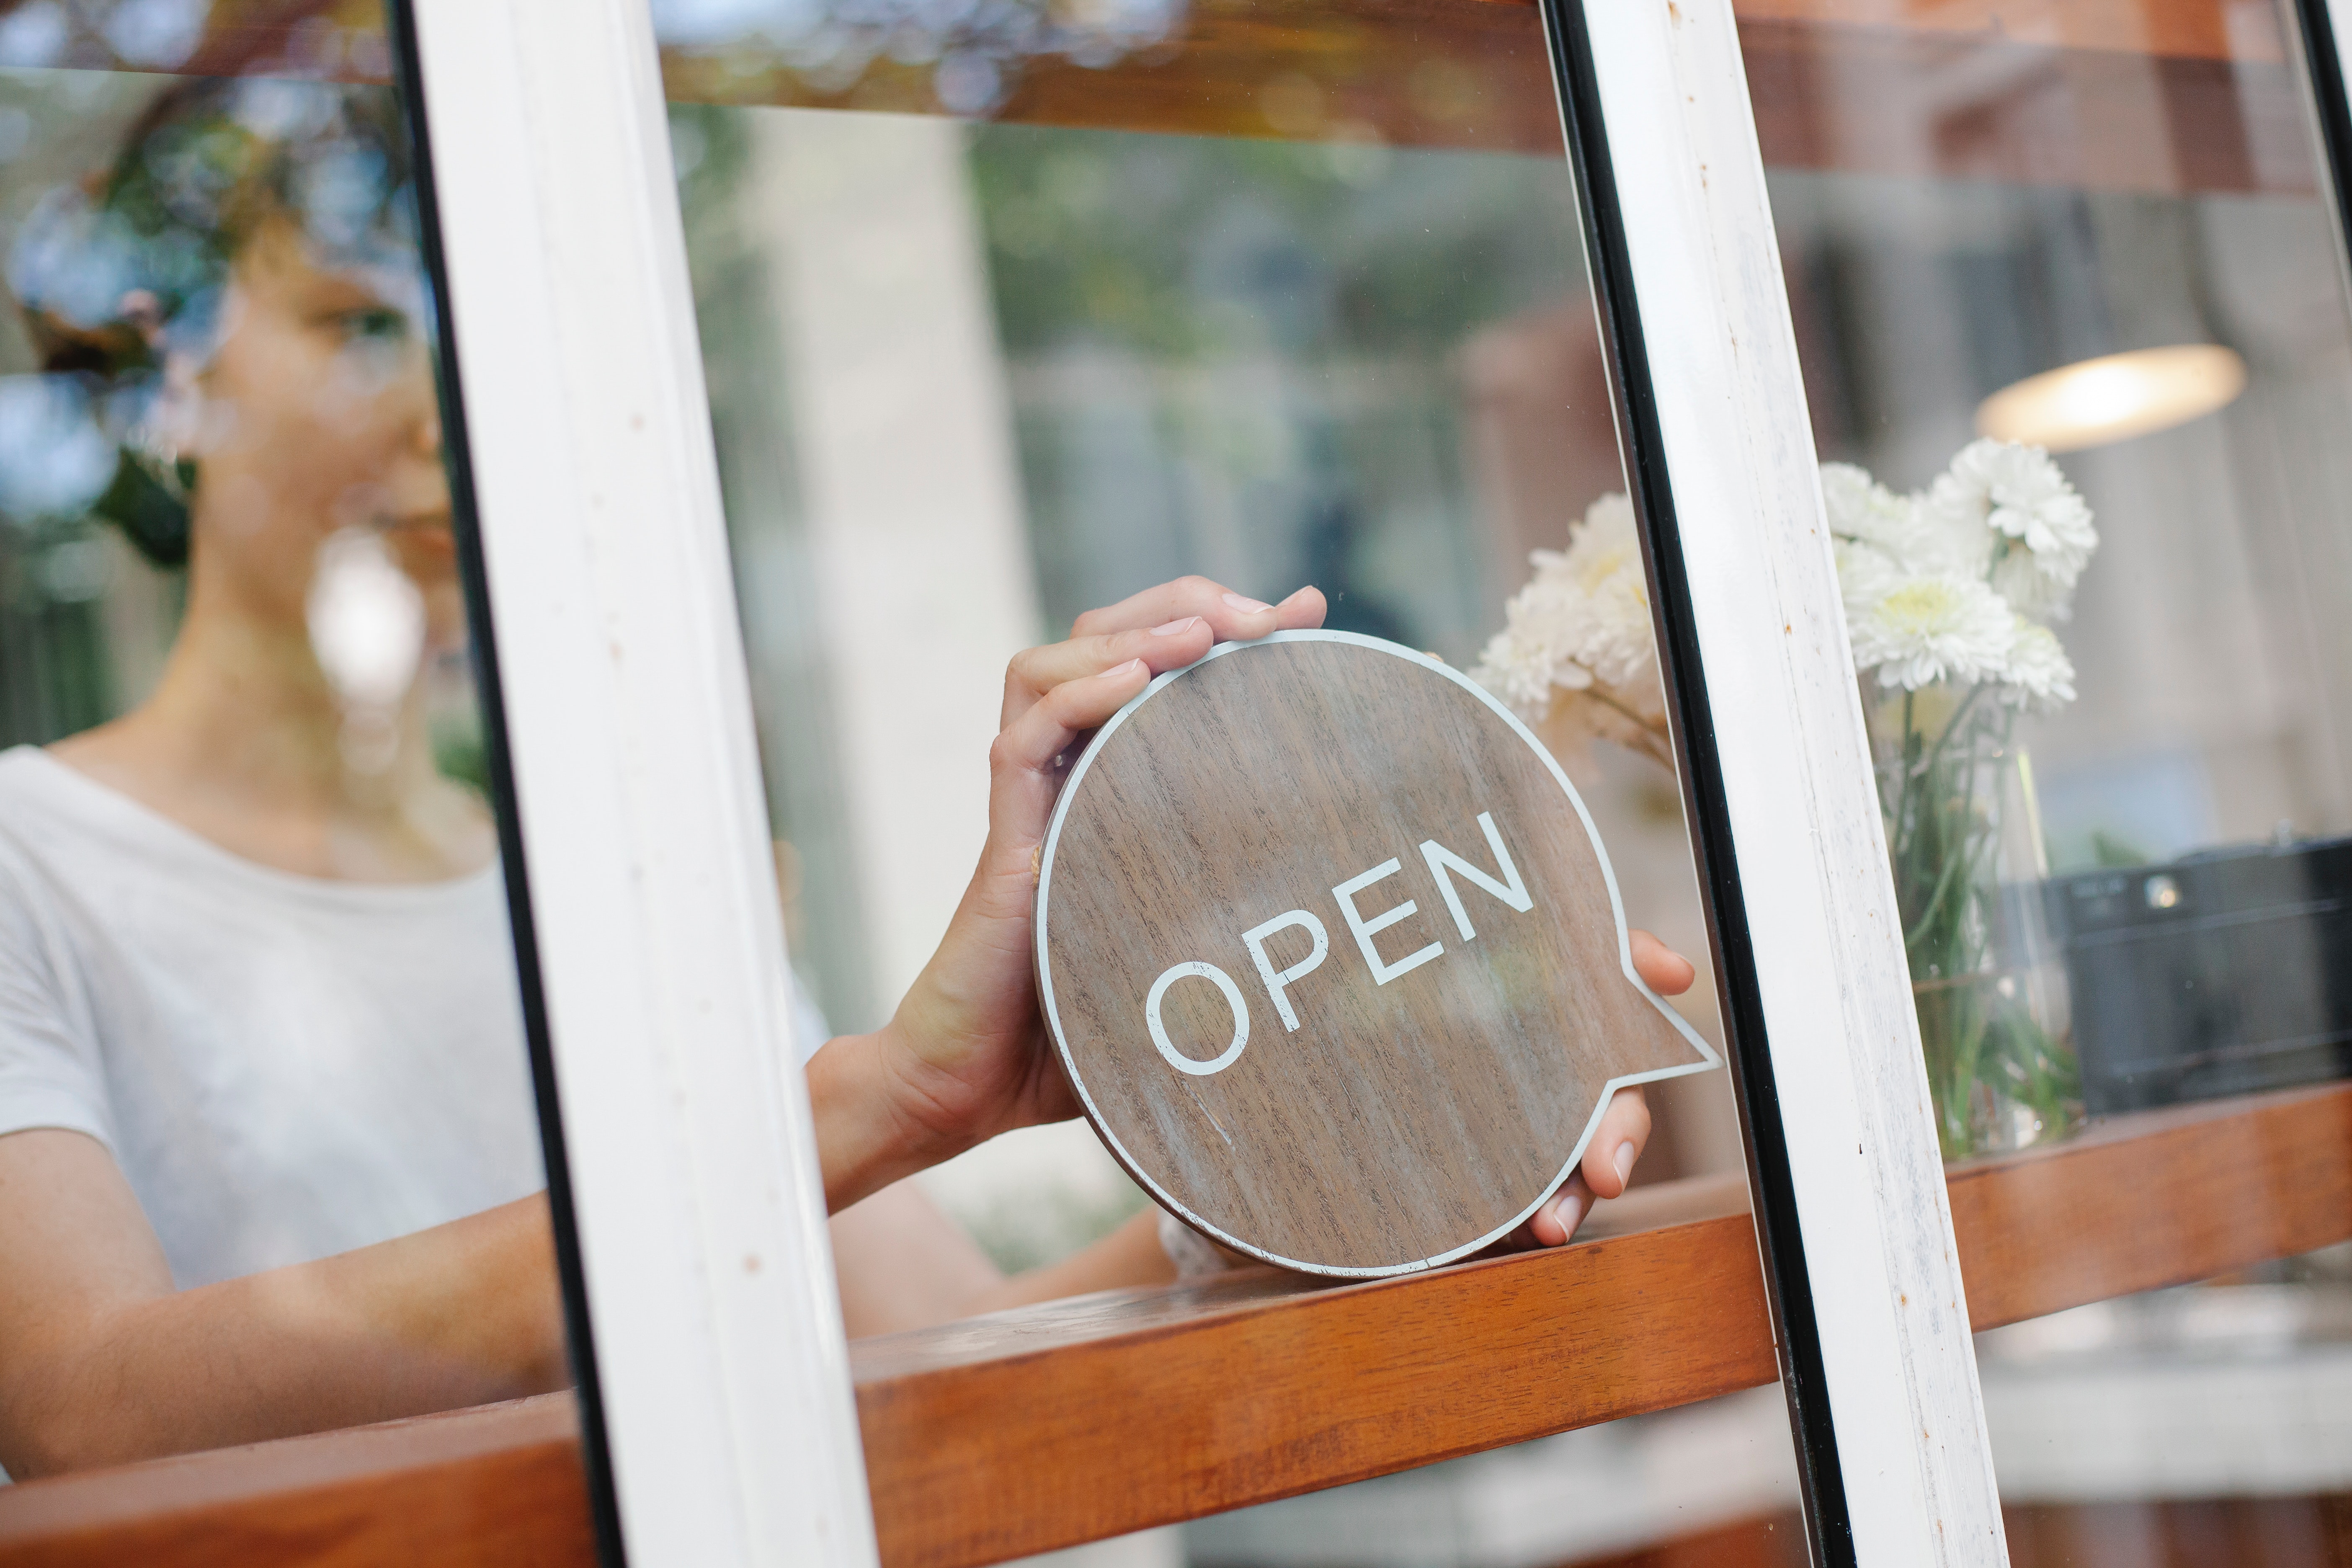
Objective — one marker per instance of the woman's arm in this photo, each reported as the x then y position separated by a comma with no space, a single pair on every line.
102,1361
902,1264
965,1058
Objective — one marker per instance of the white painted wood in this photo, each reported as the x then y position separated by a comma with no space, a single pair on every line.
2338,13
1805,818
2339,22
710,1281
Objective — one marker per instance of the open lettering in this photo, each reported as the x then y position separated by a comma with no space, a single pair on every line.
1506,885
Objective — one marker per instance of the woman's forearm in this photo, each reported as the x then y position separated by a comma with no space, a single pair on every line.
1131,1255
465,1313
868,1137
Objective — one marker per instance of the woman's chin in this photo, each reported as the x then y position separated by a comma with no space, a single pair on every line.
425,550
444,613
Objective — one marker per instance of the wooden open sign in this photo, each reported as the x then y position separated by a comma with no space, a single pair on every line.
1334,957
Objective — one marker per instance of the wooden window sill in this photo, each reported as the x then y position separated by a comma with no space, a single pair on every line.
2157,94
1032,1429
2155,97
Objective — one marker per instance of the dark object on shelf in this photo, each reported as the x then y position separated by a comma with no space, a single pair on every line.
2224,973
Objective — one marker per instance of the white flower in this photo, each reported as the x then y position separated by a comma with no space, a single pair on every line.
1943,627
1866,574
1604,560
1518,668
1949,533
1584,617
1911,534
2039,527
2038,674
1860,508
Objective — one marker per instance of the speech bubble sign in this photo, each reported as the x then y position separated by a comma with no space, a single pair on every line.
1333,955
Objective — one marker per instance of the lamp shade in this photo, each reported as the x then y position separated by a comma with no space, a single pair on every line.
2115,396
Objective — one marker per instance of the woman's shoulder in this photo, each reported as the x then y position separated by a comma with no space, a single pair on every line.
73,822
38,794
36,824
57,833
49,810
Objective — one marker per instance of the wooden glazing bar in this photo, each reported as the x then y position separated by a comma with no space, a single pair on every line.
2158,96
2156,1199
497,1487
1033,1429
1135,1410
2172,97
2188,29
1920,103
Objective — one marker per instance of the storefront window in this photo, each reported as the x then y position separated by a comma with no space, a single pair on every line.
2072,313
1006,319
267,1127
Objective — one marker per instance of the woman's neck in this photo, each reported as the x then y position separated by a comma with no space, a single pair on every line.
244,742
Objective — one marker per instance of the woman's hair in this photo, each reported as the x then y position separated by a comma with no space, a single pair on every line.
118,272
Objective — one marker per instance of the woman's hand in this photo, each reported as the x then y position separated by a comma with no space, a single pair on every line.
1608,1164
965,1058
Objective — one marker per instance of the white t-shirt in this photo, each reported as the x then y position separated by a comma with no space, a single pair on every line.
285,1068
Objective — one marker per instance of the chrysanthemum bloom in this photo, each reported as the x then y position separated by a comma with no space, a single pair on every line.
1940,627
1583,619
2040,526
2038,673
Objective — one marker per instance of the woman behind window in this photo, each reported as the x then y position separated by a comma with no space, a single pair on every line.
268,1161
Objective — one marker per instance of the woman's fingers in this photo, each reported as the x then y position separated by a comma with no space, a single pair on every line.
1236,617
1044,731
1616,1144
1302,612
1170,644
1168,627
1604,1173
1565,1210
1662,969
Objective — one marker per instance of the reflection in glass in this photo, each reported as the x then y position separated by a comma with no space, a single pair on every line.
971,381
2115,211
265,1114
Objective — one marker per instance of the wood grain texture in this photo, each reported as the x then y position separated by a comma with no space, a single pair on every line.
1251,1401
1926,102
2149,95
1415,1062
496,1486
2154,1199
1048,1424
2190,29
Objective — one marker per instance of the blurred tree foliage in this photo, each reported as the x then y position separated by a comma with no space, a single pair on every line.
1188,246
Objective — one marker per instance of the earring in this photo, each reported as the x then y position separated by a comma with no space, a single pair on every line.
156,444
160,462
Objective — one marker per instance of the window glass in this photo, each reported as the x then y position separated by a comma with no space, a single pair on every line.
2071,315
267,1127
1009,314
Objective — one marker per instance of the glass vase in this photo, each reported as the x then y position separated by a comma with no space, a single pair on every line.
1964,836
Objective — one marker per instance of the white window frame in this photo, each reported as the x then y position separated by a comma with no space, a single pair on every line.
722,1372
721,1366
1805,900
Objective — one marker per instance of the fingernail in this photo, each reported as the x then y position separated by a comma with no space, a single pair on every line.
1570,1212
1247,606
1296,592
1132,666
1624,1162
1172,627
